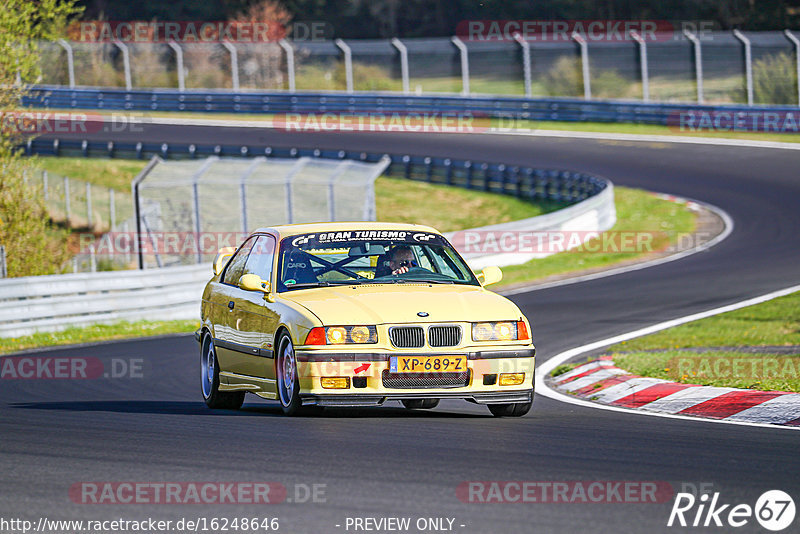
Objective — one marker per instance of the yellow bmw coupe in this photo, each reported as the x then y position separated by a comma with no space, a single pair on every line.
356,314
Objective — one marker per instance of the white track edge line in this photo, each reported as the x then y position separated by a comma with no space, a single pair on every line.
546,367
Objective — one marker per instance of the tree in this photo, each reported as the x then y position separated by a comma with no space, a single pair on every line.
23,221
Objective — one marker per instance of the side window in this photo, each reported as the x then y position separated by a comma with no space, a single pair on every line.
235,267
422,258
443,262
259,261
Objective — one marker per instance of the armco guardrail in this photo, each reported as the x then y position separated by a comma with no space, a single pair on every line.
55,302
525,182
545,109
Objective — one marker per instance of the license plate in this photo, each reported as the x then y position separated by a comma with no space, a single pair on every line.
427,364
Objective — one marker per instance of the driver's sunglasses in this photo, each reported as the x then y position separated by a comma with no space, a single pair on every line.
408,263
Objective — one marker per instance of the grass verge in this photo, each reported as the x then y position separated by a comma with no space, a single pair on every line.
114,173
638,212
776,322
99,332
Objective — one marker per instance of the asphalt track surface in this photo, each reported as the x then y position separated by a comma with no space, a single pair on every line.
390,462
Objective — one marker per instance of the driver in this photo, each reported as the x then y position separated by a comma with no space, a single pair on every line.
401,259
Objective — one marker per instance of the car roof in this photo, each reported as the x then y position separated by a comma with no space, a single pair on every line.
307,228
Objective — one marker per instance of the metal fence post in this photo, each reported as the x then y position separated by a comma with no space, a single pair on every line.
3,267
234,64
698,63
287,47
137,207
403,63
130,242
335,174
243,188
796,42
196,202
126,63
288,178
179,64
92,259
66,201
643,65
587,81
462,48
70,61
112,210
89,205
45,188
348,63
748,64
526,62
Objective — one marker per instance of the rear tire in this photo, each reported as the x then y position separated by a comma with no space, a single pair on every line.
209,377
516,409
420,404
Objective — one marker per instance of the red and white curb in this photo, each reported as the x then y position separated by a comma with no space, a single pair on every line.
601,381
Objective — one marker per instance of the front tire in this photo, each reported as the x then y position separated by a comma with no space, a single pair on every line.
420,404
288,381
209,381
516,409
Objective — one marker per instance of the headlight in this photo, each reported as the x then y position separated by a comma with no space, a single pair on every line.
339,335
499,331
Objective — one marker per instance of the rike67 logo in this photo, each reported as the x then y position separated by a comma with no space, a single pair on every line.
774,510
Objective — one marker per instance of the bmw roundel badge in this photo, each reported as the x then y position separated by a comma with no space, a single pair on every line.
422,314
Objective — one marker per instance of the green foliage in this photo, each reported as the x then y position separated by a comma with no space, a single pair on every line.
98,332
775,80
565,78
22,23
776,322
32,246
29,240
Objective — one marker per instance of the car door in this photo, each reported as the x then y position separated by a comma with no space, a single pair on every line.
257,318
224,296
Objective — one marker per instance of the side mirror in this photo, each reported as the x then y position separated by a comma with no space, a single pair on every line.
223,255
253,282
490,275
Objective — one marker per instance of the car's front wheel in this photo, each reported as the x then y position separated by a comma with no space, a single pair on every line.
209,381
515,409
288,381
420,404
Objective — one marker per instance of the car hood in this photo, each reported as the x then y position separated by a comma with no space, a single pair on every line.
400,303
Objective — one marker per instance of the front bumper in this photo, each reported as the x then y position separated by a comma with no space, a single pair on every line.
371,382
366,399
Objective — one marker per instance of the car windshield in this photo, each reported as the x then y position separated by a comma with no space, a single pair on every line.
369,256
